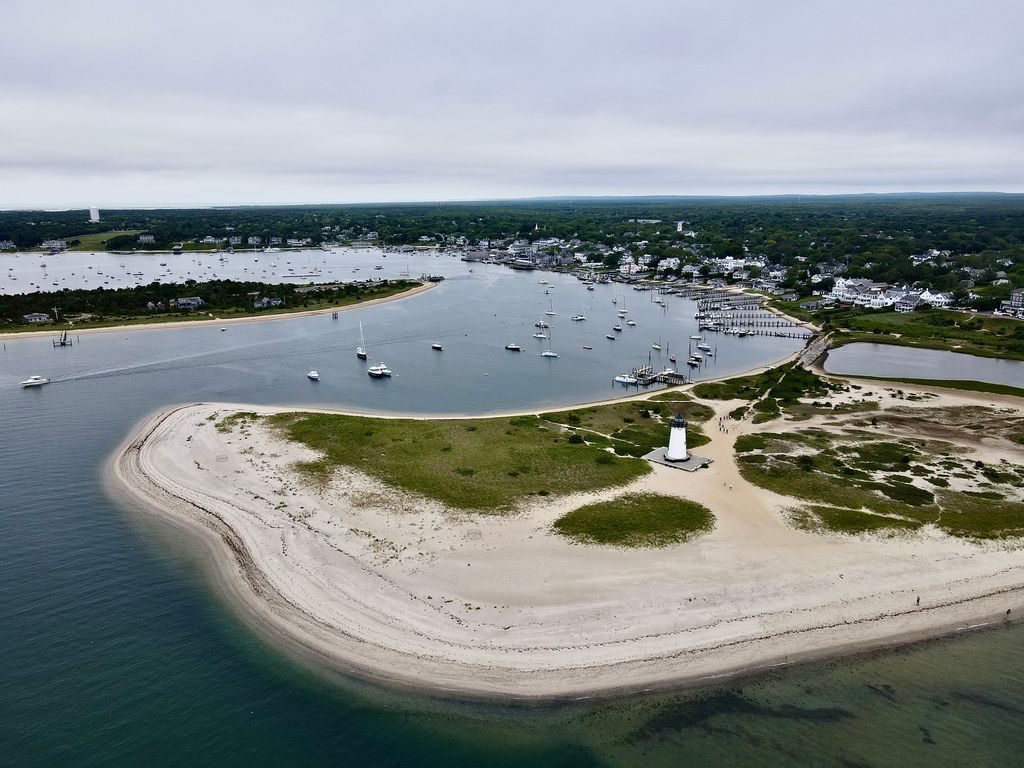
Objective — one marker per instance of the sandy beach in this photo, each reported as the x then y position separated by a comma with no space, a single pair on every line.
375,582
219,321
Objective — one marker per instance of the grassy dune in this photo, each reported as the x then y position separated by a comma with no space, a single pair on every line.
637,520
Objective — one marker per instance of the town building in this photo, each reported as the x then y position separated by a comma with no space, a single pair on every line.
36,317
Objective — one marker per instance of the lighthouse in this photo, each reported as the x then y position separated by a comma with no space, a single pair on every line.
677,440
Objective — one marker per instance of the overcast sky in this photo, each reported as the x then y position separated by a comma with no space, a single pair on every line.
139,103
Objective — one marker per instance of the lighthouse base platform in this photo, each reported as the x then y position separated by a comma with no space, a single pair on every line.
692,464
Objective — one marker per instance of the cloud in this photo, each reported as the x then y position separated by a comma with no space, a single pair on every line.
120,103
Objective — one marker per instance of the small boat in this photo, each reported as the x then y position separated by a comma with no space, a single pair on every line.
35,381
631,322
437,346
223,329
590,287
314,375
693,363
587,346
704,347
609,337
551,311
513,348
656,346
624,378
540,335
378,371
548,353
541,324
578,318
696,338
617,328
672,358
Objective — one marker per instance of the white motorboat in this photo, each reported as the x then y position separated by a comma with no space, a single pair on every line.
578,318
609,337
704,347
696,338
548,353
35,381
437,346
631,322
378,371
624,378
540,335
513,348
617,328
314,375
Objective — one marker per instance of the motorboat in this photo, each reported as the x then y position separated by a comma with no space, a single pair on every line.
631,322
437,346
35,381
548,353
378,371
609,337
540,335
513,348
704,347
617,328
587,346
578,318
693,363
314,375
624,378
696,338
541,324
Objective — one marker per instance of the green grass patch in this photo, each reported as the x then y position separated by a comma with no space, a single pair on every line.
961,384
816,517
637,520
94,241
479,464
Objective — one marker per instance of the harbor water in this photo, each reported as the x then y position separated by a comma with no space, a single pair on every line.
117,651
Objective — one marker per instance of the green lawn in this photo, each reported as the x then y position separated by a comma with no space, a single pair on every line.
94,240
488,465
637,520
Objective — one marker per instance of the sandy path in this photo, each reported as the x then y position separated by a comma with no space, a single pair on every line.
375,582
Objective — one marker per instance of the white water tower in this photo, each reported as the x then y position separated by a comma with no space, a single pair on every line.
94,215
677,440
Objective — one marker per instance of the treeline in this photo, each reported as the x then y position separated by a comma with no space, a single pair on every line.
217,295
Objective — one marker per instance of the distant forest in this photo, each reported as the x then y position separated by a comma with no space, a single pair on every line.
872,235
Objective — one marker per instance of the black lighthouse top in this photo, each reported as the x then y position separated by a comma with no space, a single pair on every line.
677,421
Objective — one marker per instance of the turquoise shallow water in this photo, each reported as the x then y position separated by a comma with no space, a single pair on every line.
114,650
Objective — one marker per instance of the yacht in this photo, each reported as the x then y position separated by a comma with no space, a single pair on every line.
35,381
548,353
624,378
513,348
693,363
378,371
704,347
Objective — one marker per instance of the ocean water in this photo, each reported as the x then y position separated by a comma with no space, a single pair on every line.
115,649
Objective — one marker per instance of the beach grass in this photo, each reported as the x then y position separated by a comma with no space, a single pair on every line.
855,482
637,427
961,384
487,465
637,520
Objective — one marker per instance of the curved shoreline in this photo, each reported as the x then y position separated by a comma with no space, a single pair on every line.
359,639
226,321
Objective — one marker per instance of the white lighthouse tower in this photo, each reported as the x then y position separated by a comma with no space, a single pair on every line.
677,440
94,214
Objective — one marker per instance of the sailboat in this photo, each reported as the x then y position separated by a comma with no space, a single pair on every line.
547,352
551,311
361,349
